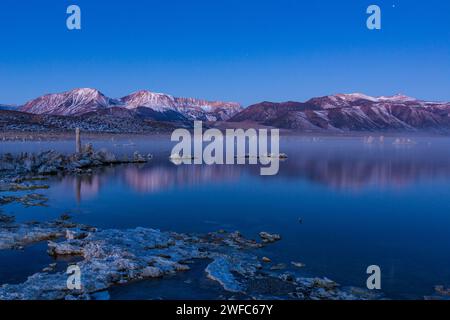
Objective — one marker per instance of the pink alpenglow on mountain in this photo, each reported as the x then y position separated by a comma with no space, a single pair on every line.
74,102
351,112
81,101
157,101
196,109
334,113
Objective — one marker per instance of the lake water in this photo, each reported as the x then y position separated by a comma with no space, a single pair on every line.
359,205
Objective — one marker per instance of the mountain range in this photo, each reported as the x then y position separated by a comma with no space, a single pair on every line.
157,106
143,111
351,112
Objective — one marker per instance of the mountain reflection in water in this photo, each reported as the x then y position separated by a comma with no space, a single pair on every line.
345,168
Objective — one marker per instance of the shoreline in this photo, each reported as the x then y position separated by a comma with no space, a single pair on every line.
24,136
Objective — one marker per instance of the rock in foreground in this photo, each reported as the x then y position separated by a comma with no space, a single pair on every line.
52,162
111,257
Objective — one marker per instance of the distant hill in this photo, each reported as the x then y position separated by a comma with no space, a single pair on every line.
110,121
351,112
8,107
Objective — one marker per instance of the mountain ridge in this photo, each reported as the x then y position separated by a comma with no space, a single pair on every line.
350,112
80,101
331,113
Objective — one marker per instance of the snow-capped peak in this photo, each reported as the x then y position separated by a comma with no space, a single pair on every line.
190,107
84,100
145,98
85,91
397,98
356,96
73,102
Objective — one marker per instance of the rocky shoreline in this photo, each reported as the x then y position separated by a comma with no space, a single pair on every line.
52,162
110,257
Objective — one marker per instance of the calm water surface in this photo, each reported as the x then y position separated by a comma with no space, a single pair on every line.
359,205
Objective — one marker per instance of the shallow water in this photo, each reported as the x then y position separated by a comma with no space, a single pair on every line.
359,205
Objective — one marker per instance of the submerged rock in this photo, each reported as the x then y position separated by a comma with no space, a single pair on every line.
279,266
298,264
16,186
51,267
441,290
220,270
28,200
6,219
268,237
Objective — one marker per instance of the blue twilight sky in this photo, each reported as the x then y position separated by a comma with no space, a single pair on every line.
244,51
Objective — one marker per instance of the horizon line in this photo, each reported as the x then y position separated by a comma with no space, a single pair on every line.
225,100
